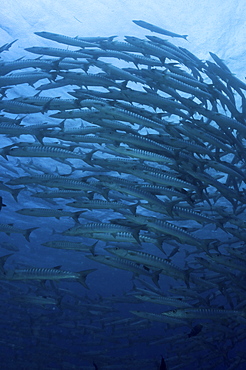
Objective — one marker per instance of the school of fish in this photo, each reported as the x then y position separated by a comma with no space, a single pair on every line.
136,150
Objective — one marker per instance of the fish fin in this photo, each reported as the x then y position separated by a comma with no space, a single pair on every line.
92,248
83,275
155,278
3,259
76,216
28,232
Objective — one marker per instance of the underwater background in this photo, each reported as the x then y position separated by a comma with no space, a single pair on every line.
122,173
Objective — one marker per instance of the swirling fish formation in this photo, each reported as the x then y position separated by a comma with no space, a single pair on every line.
146,142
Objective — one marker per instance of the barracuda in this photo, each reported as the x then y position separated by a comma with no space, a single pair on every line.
88,79
13,106
167,301
45,64
72,184
12,129
158,178
20,78
226,168
66,194
116,72
181,212
97,53
118,45
115,125
166,228
187,79
140,59
206,313
102,204
187,88
159,318
188,214
157,29
230,194
141,154
9,229
152,49
48,212
233,263
86,114
161,190
55,52
237,252
102,227
167,268
75,246
47,274
62,39
123,264
39,151
55,182
140,142
49,103
195,132
189,146
75,137
135,192
213,265
124,115
127,237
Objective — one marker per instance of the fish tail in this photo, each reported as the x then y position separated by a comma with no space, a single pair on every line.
76,216
3,259
28,232
92,248
83,275
15,193
155,278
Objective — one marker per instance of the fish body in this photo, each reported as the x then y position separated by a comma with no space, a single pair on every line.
157,29
64,244
124,264
150,260
205,313
47,212
56,52
21,78
74,41
47,274
9,229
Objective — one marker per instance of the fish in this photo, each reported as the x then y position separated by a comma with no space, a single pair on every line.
150,260
47,212
47,274
9,229
157,29
205,313
76,246
124,264
137,148
56,52
6,47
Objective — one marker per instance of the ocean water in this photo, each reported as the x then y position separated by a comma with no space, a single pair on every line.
165,146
